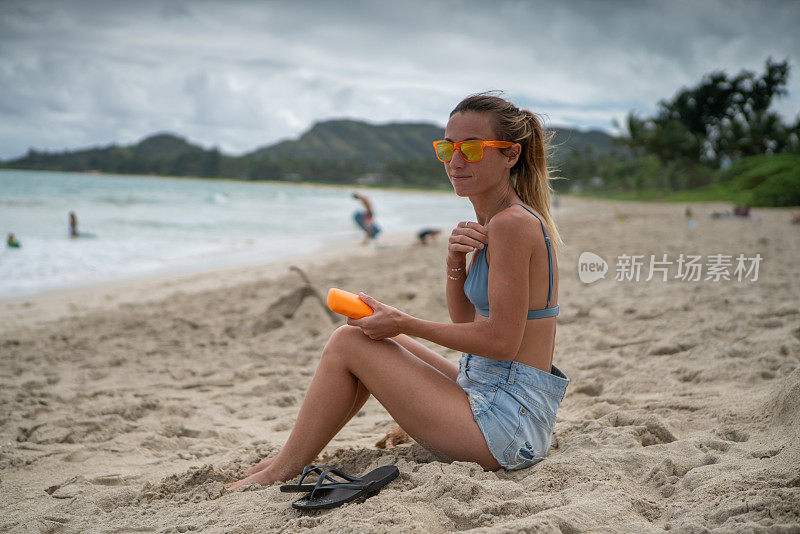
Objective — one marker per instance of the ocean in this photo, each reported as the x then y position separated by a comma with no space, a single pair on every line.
141,225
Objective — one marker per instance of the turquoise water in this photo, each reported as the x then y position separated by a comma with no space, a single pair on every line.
147,225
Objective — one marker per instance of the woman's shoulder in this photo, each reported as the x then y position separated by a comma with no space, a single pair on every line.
523,210
521,215
515,223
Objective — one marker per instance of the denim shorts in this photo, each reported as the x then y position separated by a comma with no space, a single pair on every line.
514,405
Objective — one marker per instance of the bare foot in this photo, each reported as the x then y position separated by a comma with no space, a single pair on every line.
265,477
260,466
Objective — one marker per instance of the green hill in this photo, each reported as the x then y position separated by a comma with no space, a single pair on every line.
566,140
338,151
163,146
162,153
348,139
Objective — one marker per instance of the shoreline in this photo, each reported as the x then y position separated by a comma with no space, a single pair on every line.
34,309
393,188
690,196
138,235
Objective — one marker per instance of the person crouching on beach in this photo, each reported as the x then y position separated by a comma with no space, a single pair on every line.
497,408
365,219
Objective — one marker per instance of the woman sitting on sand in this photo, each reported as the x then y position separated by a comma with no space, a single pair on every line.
498,406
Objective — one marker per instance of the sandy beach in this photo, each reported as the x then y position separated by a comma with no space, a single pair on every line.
127,407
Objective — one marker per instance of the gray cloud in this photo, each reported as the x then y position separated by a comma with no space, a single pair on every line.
242,74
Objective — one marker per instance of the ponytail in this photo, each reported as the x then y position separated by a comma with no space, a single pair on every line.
529,176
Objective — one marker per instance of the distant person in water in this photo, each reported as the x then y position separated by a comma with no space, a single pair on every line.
12,241
365,219
73,225
427,234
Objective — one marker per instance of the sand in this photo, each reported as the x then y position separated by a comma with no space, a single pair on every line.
127,407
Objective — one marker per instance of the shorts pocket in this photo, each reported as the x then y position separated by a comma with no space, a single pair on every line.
481,396
530,443
536,409
481,378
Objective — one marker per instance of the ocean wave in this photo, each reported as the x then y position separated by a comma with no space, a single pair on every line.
150,223
24,203
219,198
128,200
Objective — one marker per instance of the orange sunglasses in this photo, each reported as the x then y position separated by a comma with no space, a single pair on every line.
471,151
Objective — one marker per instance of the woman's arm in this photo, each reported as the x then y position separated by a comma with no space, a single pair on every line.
460,308
467,237
499,337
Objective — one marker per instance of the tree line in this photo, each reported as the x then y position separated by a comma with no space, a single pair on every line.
718,135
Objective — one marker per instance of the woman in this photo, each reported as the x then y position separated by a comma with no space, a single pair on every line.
497,408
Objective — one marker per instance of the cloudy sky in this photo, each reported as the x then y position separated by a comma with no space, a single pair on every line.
240,74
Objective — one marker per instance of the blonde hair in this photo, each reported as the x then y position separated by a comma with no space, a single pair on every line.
529,176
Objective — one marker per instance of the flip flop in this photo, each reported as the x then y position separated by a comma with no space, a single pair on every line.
333,494
318,469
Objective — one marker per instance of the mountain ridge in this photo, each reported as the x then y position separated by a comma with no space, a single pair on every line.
336,150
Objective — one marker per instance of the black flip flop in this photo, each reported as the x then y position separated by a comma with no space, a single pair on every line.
332,494
318,469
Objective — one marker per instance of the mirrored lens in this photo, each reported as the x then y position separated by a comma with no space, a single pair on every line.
472,150
444,151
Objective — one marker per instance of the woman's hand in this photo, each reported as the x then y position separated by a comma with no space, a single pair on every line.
384,321
467,237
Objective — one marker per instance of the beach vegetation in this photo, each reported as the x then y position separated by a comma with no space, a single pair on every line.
718,140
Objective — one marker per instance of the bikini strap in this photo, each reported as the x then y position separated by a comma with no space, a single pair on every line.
549,251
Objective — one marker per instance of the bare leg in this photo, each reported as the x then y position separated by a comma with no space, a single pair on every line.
431,407
445,366
361,398
416,348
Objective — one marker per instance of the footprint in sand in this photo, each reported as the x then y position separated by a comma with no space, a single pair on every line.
670,471
113,480
194,485
732,434
72,487
648,430
669,349
79,456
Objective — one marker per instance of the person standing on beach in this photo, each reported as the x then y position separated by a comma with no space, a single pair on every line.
497,408
365,219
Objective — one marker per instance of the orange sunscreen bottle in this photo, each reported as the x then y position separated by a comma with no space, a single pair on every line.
347,303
